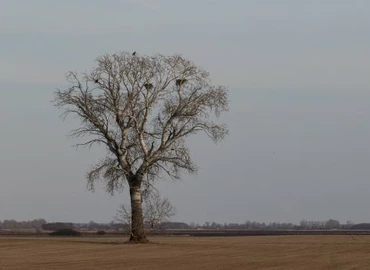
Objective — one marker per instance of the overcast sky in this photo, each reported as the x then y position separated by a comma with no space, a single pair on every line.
298,74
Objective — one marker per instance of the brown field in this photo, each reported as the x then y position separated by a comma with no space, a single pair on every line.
252,252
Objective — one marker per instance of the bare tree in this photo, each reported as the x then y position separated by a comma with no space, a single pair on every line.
155,211
123,216
142,108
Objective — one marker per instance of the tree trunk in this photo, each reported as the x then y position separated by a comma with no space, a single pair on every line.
137,223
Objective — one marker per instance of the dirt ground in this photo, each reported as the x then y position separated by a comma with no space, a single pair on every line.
254,252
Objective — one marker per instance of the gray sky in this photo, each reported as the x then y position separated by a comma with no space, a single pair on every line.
300,105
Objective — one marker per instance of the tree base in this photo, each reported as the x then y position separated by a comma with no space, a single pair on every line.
136,240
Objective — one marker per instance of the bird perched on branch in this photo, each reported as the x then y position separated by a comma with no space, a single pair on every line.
134,54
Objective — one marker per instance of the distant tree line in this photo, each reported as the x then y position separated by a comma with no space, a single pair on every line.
248,225
328,224
93,226
13,224
57,226
253,225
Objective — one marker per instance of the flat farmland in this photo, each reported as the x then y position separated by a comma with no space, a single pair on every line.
252,252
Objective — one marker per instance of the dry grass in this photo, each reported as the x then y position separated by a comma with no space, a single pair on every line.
271,252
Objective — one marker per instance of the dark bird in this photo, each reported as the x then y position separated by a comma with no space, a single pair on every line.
96,80
134,53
